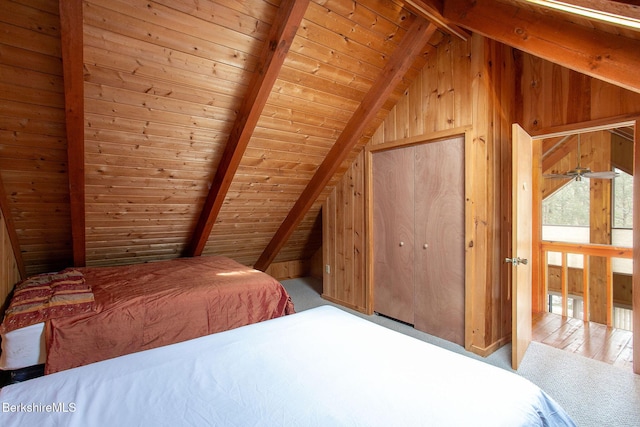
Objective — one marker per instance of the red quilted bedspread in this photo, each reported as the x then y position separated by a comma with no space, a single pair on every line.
143,306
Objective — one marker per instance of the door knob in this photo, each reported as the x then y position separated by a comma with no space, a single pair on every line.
401,243
516,261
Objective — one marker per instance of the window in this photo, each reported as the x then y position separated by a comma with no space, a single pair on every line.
623,200
569,206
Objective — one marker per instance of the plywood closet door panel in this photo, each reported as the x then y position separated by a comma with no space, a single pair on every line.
393,233
439,244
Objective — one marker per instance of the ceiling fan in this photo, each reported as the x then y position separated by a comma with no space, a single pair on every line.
579,172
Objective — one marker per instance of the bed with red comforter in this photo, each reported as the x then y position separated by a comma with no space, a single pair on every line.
139,307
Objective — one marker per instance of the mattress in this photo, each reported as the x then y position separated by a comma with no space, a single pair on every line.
23,347
320,367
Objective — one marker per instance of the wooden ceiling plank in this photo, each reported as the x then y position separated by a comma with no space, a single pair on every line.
277,45
605,56
399,63
71,29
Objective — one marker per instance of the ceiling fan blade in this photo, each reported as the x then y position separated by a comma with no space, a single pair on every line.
601,175
557,176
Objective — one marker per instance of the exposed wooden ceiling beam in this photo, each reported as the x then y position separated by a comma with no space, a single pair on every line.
11,231
609,57
432,10
73,71
402,58
623,11
277,45
552,157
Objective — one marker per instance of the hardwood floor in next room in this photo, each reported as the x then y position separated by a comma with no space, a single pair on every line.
588,339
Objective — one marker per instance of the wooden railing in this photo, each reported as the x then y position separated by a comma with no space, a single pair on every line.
586,250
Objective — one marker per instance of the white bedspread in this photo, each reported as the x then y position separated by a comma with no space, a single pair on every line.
321,367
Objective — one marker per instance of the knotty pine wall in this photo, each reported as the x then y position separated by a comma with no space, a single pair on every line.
343,244
464,86
485,86
552,95
9,273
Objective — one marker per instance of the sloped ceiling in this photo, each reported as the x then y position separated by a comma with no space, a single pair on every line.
144,130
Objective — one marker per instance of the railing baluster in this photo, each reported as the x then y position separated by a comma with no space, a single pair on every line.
545,275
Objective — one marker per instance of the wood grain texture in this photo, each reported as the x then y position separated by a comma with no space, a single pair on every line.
344,252
73,73
392,73
477,102
269,65
9,267
522,243
32,135
310,111
439,307
394,233
636,252
12,261
592,340
597,54
163,82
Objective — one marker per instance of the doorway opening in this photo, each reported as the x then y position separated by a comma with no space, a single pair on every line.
585,212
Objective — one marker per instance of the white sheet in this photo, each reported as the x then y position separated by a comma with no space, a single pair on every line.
321,367
23,347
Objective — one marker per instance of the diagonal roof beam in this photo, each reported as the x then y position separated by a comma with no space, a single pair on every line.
556,153
402,58
274,53
71,32
11,231
605,56
432,10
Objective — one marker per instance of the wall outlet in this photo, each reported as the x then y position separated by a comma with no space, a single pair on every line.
327,269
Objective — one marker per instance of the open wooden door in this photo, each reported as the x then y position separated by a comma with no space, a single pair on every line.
522,201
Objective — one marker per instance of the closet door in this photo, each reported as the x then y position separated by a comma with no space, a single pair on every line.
439,239
393,233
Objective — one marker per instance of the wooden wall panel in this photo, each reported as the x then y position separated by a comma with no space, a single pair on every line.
9,272
344,241
289,269
464,85
486,79
32,133
547,91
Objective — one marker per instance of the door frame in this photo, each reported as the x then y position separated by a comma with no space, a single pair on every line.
583,127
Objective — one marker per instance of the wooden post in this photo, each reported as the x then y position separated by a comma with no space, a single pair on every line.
636,252
564,284
609,305
596,151
585,287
